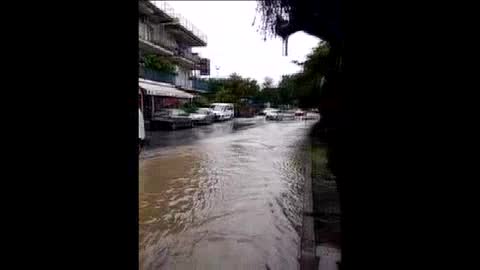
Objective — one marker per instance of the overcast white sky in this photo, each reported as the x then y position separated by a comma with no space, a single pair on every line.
235,45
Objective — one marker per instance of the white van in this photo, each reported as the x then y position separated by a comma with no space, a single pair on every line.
223,111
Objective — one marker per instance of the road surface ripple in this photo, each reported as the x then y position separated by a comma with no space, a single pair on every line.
227,201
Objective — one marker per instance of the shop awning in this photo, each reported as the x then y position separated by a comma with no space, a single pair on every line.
157,89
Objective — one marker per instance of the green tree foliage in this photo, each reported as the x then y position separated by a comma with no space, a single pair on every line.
233,89
189,107
201,101
305,88
270,95
241,87
301,89
313,75
155,62
224,95
267,83
287,90
197,102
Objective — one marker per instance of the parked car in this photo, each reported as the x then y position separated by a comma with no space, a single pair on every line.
203,116
222,111
265,111
311,116
280,115
287,115
300,112
272,114
172,118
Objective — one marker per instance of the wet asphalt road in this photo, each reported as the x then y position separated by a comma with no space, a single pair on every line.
169,138
223,196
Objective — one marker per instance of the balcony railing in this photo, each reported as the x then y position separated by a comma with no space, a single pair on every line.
184,22
186,85
190,27
188,55
165,8
155,75
146,33
200,85
159,76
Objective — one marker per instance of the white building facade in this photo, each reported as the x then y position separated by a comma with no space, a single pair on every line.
169,36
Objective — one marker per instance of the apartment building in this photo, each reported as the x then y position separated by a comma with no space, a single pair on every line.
168,36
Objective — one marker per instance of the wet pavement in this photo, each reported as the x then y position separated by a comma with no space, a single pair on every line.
223,196
168,138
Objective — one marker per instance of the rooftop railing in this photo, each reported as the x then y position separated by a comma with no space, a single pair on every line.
184,22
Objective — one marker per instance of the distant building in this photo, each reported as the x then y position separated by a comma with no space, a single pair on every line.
167,35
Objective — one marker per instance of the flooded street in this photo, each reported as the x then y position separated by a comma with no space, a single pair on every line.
223,196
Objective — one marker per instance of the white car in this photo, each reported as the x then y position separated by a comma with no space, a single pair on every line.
272,114
280,115
202,116
265,111
287,115
222,111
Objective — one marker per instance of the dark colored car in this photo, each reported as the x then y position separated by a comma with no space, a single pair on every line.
172,118
300,112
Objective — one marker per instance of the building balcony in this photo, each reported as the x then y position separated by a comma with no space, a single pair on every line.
183,29
193,57
155,75
193,85
186,58
154,43
200,85
155,14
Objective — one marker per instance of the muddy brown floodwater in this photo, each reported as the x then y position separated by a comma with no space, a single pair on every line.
226,202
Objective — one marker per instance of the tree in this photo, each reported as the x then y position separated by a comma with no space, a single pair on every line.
155,62
267,83
287,90
318,18
305,88
233,89
224,95
271,95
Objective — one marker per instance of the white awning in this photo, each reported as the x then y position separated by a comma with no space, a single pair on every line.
158,89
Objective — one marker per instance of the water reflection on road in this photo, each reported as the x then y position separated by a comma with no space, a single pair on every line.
224,196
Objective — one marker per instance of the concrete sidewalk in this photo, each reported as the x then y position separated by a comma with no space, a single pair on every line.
321,232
